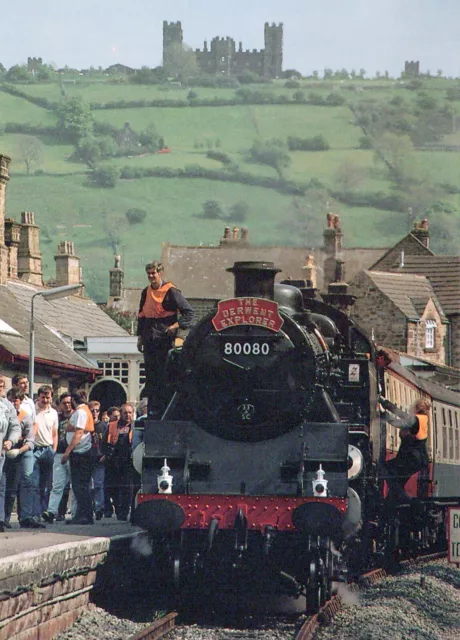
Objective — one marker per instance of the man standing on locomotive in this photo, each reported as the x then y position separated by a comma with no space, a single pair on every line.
412,454
163,311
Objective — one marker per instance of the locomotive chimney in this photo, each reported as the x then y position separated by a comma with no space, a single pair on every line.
255,279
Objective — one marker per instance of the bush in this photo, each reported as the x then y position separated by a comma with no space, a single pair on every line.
212,210
317,143
105,177
365,142
220,156
136,216
292,84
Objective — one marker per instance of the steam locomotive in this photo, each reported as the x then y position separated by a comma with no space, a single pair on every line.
264,470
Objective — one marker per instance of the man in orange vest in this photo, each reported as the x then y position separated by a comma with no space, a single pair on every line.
79,443
163,311
412,454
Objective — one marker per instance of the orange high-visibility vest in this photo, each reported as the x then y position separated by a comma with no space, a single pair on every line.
89,420
112,437
422,427
153,305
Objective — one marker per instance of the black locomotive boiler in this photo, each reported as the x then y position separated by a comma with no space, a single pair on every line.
254,477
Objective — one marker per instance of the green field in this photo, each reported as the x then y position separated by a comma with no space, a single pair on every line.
94,218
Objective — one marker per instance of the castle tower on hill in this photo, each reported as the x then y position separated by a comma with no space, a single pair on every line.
224,58
172,34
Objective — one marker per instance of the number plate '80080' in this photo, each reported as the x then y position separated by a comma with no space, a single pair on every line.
245,347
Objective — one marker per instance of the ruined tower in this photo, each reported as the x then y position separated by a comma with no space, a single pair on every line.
273,53
172,34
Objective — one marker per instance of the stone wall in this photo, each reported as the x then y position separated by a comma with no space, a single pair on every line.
375,313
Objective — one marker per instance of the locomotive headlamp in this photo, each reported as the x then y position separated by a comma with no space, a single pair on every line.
165,480
320,484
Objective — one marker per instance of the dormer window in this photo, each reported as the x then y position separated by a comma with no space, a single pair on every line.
430,329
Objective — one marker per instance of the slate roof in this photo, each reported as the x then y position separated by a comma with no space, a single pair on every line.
200,272
443,273
71,316
410,244
58,323
409,292
48,345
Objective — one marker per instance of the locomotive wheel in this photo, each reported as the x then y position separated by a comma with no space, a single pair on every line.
177,571
314,591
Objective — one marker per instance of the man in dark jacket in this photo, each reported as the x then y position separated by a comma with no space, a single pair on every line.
163,312
412,454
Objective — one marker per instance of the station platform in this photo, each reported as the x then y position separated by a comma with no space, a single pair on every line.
16,540
46,575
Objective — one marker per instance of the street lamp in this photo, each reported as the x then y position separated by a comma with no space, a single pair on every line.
48,294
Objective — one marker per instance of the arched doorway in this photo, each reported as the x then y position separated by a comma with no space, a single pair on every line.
109,393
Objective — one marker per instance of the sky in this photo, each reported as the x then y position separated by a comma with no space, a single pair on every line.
376,35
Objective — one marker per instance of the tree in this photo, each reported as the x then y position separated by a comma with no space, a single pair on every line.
180,61
212,210
105,177
272,153
75,119
396,153
150,139
303,220
18,73
91,149
238,212
439,73
136,216
30,151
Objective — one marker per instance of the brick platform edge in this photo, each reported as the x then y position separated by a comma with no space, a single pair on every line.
43,592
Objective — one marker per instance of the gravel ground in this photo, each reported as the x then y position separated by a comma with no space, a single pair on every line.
398,608
97,624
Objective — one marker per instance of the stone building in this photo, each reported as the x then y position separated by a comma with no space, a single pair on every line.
401,311
200,271
412,68
223,57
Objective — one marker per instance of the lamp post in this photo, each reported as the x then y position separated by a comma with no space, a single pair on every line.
48,294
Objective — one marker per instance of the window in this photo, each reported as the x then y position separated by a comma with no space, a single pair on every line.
430,328
115,369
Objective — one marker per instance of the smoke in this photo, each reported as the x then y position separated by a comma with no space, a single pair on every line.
142,546
347,596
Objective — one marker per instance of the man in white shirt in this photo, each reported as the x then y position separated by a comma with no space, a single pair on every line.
46,439
20,380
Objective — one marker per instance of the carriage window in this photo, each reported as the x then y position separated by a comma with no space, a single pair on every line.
451,436
430,328
456,439
444,434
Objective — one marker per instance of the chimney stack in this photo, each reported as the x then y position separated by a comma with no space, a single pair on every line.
67,264
309,272
332,247
420,231
116,280
12,241
4,177
29,256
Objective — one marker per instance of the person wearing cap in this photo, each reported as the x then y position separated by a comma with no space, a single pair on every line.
163,313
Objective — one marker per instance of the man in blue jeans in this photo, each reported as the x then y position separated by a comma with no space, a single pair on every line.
46,438
20,459
61,472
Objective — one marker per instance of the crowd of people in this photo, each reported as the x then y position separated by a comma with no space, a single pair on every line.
56,455
47,447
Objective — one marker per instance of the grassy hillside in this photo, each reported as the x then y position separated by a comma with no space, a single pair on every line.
94,218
